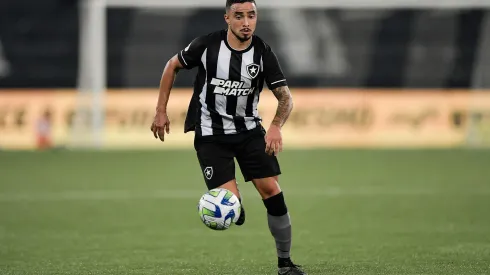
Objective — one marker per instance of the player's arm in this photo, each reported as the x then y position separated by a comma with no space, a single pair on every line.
276,81
273,138
284,106
161,123
188,58
169,74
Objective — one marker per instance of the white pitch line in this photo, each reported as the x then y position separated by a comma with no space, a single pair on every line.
101,195
98,195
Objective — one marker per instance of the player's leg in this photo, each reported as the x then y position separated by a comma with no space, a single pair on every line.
277,214
263,170
232,186
217,165
218,168
279,222
241,219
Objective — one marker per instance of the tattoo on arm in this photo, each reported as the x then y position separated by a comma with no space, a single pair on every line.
285,105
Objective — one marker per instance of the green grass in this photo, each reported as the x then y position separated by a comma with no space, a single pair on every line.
353,212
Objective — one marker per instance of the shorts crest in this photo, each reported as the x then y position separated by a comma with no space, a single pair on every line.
208,172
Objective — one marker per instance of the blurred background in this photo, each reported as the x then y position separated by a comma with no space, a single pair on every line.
365,60
391,127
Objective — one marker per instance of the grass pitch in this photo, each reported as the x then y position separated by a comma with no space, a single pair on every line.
353,212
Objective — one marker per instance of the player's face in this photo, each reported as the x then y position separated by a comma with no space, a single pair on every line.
242,19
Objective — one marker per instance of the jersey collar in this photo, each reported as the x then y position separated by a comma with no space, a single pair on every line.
225,38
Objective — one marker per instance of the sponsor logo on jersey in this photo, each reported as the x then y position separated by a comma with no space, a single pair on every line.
231,87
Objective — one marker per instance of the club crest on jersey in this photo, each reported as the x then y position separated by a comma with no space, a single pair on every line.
208,172
253,70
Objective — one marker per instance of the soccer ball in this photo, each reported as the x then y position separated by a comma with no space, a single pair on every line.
219,208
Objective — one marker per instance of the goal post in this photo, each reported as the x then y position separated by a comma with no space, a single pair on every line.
92,78
92,75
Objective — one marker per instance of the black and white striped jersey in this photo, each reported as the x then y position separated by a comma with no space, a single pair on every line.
228,83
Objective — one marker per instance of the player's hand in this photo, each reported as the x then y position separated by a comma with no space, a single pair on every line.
273,140
160,125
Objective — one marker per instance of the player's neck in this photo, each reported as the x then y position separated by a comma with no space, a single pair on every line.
235,43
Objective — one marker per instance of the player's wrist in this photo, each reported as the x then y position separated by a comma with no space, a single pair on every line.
161,110
276,124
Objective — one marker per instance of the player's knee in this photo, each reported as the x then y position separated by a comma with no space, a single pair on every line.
267,187
232,186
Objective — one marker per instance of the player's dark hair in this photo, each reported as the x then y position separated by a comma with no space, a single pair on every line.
229,3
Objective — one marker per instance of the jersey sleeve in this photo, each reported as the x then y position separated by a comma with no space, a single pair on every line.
190,57
274,77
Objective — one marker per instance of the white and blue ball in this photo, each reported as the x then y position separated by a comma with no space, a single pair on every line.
219,208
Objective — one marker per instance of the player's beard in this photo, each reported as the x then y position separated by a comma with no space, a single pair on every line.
241,39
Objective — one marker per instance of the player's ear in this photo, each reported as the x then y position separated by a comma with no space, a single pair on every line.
227,18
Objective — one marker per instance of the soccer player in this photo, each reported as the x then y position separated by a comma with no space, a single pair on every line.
232,67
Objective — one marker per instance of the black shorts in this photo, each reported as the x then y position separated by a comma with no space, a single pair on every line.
217,155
